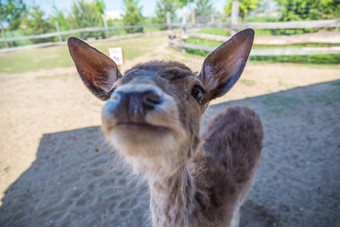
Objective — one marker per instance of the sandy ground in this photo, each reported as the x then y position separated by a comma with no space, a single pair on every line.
57,171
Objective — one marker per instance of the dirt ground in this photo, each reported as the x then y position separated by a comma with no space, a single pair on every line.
57,171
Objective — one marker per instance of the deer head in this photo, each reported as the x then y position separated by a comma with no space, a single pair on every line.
152,114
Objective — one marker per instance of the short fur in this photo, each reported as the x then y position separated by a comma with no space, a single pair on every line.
152,117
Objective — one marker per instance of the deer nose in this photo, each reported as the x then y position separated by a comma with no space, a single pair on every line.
148,99
151,98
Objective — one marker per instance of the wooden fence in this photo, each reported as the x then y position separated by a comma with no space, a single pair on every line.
264,52
59,35
178,40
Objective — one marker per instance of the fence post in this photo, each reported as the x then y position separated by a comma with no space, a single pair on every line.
234,16
184,19
212,16
168,20
4,35
105,25
270,8
184,24
58,31
193,19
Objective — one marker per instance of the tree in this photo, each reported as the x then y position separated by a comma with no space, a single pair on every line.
293,10
133,15
58,15
181,3
83,15
245,7
309,9
12,11
37,24
162,7
203,8
100,6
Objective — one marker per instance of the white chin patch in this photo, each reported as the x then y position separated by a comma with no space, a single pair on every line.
142,144
150,154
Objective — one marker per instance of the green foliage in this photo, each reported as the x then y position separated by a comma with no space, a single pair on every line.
162,7
12,11
203,8
116,23
245,7
37,24
133,15
15,33
256,18
181,3
100,5
295,10
309,9
83,15
58,15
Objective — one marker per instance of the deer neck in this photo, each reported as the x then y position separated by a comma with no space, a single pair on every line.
171,199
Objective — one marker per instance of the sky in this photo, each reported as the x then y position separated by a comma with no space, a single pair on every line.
148,9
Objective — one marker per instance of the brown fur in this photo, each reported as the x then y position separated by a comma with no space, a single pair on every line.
153,119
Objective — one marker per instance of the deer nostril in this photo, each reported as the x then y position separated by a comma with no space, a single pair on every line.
114,97
152,98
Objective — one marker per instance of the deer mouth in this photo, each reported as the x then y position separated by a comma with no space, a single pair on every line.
140,127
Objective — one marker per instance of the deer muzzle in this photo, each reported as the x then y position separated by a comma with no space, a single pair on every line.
130,104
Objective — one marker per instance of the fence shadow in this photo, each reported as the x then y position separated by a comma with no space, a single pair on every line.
76,181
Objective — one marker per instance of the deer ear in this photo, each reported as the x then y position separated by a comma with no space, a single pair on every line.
97,70
224,66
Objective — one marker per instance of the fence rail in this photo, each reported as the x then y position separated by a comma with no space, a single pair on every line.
264,52
265,41
255,25
48,44
273,25
330,38
58,34
186,26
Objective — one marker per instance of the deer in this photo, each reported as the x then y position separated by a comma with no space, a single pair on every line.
152,117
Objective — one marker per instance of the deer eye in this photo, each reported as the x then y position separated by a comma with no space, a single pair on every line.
197,92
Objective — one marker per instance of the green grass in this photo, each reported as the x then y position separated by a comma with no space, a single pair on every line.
293,46
303,59
203,42
215,31
35,59
226,32
7,169
53,57
276,103
211,43
247,82
47,77
331,95
336,84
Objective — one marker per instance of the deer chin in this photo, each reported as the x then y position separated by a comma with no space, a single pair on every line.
150,149
141,139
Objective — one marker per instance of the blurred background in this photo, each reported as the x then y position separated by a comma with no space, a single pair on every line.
55,167
308,23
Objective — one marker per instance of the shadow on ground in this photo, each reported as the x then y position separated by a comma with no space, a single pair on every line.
76,181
